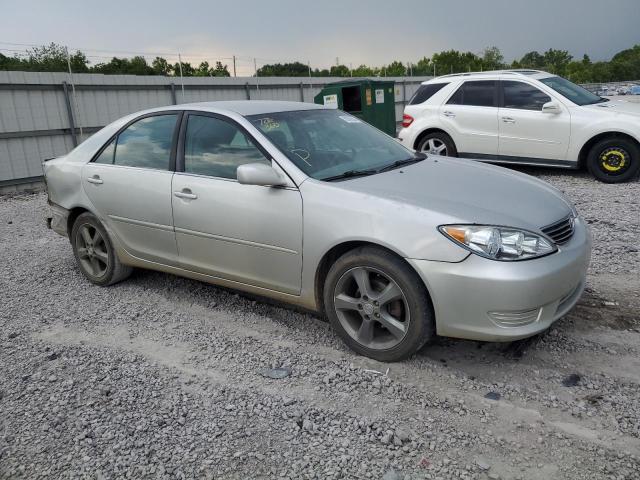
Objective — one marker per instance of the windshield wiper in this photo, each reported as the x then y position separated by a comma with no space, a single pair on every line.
349,174
399,163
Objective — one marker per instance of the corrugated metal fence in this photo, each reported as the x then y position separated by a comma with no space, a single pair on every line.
43,115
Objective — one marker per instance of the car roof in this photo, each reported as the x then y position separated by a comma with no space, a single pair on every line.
250,107
536,74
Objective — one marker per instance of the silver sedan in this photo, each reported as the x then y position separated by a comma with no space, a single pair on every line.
312,206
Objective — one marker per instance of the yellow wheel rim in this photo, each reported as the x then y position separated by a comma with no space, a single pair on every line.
613,160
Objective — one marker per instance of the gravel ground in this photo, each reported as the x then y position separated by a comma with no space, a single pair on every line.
162,377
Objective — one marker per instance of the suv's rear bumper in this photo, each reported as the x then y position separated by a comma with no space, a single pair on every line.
481,299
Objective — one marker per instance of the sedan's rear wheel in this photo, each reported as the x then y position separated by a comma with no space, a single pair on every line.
437,143
378,304
94,252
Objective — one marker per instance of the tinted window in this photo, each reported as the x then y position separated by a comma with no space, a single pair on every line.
107,154
217,148
480,94
523,96
425,92
145,143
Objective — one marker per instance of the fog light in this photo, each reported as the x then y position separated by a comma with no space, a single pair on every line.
515,319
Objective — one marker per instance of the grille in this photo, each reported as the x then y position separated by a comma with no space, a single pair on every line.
561,231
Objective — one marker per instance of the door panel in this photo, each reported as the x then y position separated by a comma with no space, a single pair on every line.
136,204
533,134
246,233
470,115
525,131
473,129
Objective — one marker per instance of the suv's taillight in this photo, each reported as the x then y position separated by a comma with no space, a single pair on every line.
406,120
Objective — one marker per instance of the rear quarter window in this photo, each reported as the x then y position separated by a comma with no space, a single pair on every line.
425,92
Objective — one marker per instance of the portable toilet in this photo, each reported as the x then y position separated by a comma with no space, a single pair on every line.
373,101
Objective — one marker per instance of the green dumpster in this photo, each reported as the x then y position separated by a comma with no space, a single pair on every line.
370,100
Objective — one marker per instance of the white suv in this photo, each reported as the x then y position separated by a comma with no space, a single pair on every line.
524,117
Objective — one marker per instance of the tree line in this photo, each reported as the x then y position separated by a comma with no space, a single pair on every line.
55,58
624,65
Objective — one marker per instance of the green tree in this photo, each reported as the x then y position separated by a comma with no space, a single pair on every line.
556,61
395,69
187,69
53,58
422,67
293,69
339,71
532,60
220,70
363,71
160,66
453,61
492,59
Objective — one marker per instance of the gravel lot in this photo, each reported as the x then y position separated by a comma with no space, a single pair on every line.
161,377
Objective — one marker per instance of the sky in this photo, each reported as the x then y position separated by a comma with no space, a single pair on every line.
356,32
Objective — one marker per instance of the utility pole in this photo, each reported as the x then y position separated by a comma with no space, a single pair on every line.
73,89
234,65
310,84
255,68
181,77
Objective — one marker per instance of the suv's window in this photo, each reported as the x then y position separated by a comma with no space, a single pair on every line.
480,93
216,148
145,143
523,96
425,92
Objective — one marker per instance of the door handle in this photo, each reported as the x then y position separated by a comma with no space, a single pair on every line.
508,120
449,114
186,193
96,180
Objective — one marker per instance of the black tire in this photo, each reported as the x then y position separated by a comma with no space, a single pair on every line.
614,160
414,300
99,252
441,137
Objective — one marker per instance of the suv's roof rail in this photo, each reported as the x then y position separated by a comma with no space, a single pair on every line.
515,71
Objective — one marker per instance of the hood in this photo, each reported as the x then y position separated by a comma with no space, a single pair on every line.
616,106
465,191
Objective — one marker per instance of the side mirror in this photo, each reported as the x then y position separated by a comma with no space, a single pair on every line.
259,174
551,107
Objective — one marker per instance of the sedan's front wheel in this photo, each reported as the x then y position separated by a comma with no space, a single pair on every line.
94,252
378,304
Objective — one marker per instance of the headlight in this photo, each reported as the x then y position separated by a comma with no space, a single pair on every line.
499,243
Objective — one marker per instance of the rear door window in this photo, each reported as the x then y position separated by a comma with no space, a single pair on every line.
145,143
479,93
425,92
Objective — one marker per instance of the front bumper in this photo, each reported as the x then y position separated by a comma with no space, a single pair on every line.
482,299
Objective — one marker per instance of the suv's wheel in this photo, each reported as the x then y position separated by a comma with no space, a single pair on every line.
94,252
378,305
614,160
437,143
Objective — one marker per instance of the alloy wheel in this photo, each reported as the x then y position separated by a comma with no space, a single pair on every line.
92,250
435,146
371,307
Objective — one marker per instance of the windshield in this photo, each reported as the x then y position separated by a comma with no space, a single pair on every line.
329,143
575,93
